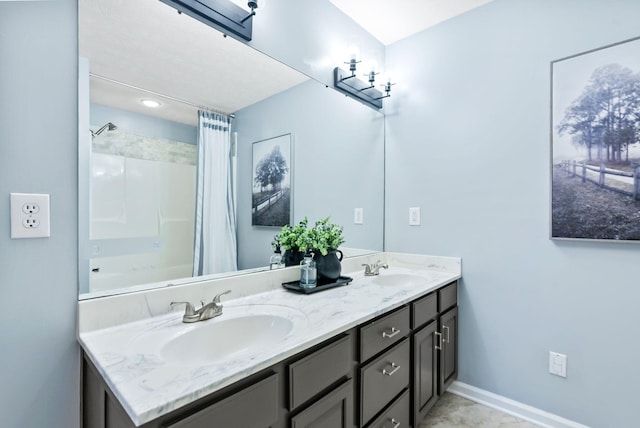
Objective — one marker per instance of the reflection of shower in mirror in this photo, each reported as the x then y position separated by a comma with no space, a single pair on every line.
108,126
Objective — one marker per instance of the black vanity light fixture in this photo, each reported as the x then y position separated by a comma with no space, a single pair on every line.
222,15
365,91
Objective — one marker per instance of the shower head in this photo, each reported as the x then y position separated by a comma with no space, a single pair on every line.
109,126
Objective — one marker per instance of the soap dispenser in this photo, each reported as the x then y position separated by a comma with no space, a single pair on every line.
308,272
276,261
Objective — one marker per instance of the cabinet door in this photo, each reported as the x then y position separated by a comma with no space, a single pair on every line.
256,406
334,410
449,356
425,371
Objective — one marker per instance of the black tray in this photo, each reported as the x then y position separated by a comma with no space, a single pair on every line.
295,285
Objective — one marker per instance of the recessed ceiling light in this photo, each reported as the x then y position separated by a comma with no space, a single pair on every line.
150,103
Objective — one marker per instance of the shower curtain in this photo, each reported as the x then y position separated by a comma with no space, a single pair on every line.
215,247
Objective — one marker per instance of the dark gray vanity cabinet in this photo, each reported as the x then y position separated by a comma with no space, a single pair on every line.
321,385
385,373
449,353
425,357
435,351
334,410
385,366
261,398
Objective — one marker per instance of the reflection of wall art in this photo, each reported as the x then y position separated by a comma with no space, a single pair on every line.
595,153
271,195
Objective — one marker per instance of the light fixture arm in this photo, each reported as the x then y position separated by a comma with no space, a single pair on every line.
253,5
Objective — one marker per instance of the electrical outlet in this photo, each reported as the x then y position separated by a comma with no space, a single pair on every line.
29,215
358,215
414,216
558,364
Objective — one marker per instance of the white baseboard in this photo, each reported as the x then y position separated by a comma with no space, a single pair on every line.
512,407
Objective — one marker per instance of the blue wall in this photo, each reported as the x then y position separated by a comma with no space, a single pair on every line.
310,36
39,361
142,124
468,140
337,165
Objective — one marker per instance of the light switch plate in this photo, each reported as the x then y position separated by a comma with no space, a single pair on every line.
558,364
358,215
29,215
414,216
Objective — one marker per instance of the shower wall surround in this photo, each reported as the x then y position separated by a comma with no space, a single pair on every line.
142,209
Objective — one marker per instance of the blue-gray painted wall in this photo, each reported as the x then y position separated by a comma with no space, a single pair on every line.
468,140
469,143
337,165
39,361
142,124
310,36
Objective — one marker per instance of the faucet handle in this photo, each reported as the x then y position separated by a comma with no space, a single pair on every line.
189,310
216,299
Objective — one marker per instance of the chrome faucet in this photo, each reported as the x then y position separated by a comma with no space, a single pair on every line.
374,269
206,311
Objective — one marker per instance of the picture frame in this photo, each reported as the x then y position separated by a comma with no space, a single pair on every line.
272,169
595,144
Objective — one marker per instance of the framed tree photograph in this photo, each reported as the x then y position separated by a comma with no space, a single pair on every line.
271,195
595,155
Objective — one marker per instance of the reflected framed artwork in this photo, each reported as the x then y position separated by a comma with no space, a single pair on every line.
595,150
271,180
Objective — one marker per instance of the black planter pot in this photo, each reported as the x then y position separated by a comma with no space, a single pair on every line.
292,257
329,266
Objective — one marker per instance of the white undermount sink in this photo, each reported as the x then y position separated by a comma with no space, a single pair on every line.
239,331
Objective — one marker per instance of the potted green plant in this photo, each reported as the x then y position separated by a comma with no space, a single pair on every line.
295,240
325,238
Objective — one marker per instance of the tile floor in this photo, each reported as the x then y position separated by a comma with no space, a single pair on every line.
453,411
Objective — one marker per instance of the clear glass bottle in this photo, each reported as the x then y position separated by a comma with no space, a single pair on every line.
308,272
276,261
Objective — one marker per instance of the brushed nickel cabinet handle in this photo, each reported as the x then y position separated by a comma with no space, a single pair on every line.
439,341
395,423
394,368
394,331
446,328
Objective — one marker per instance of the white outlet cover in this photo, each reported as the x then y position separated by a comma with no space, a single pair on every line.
29,215
358,215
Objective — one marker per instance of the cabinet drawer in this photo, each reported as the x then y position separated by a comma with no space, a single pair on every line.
315,372
448,296
383,332
261,398
424,310
383,379
398,415
334,410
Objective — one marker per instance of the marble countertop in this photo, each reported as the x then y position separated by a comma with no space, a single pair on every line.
148,385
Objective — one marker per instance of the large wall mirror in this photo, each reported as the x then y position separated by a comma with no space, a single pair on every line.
137,164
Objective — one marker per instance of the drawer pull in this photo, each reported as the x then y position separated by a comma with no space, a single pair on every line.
395,424
446,328
394,331
439,341
394,368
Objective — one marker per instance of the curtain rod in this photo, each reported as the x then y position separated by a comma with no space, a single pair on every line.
158,94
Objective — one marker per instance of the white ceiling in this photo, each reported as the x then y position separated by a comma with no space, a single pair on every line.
392,20
147,44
